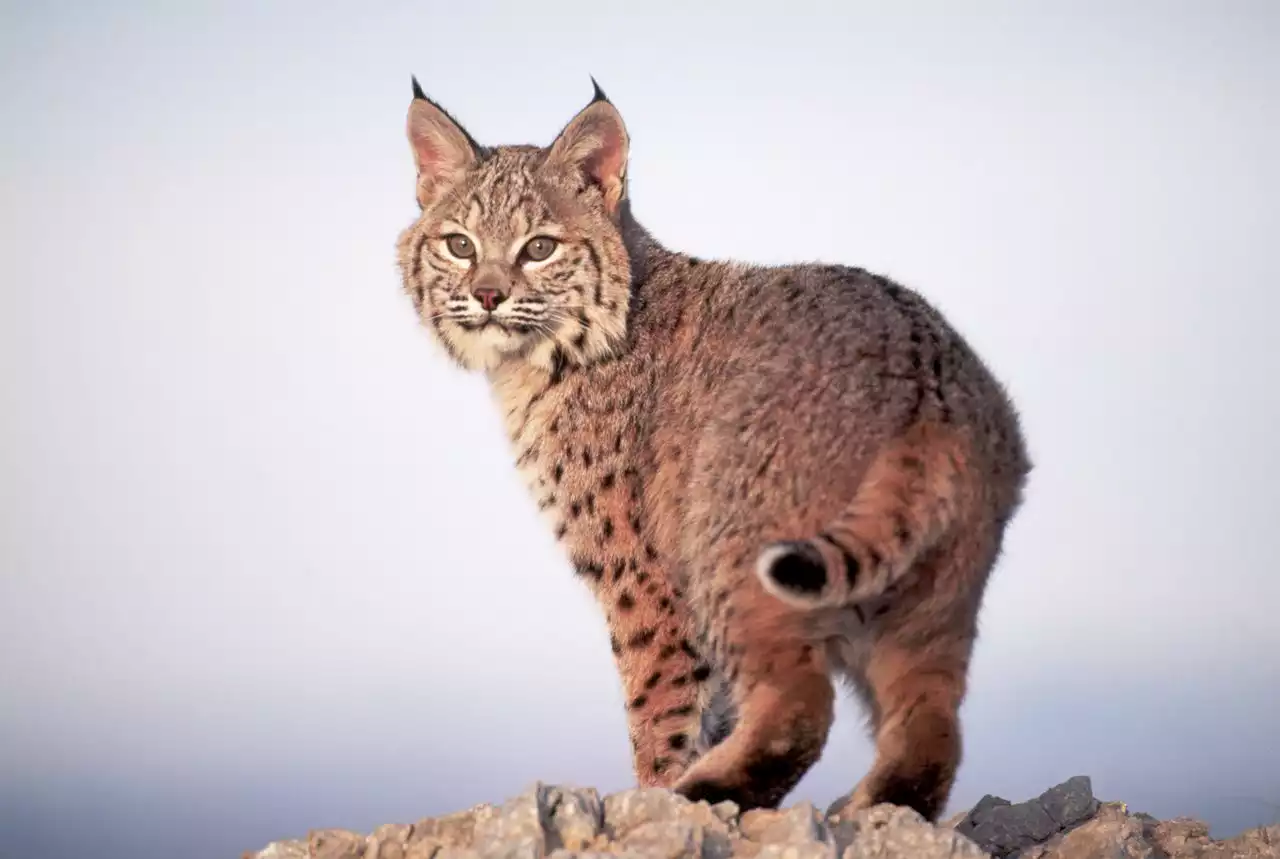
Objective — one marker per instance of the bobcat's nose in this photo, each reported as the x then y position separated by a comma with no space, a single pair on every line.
489,296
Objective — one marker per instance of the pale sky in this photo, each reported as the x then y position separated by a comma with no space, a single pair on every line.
249,577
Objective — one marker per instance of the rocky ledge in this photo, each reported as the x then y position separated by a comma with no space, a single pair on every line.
1065,822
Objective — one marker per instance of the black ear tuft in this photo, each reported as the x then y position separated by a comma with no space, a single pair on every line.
598,95
417,89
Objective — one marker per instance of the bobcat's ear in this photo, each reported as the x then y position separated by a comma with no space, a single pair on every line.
595,142
442,149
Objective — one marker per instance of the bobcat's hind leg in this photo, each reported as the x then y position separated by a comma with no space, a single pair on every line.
918,736
782,696
914,679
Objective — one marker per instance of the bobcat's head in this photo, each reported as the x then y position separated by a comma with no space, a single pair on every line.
517,254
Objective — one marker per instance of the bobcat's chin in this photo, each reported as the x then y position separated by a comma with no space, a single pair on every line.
484,346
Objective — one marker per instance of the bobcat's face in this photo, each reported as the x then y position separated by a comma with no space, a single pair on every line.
516,254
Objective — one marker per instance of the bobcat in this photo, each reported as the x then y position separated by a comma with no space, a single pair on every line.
770,477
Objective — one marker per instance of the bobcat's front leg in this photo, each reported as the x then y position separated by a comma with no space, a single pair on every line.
663,676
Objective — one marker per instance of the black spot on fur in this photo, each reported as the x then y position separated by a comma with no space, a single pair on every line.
606,527
852,569
608,480
701,673
626,602
638,702
678,741
558,362
590,570
641,639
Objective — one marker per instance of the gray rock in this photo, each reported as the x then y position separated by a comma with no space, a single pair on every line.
1003,828
1064,822
1070,802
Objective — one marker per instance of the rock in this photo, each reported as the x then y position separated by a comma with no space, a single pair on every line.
1003,828
891,832
1064,822
575,817
515,830
1111,833
1070,802
335,844
799,832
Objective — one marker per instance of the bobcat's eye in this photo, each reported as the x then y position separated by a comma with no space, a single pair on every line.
460,246
539,248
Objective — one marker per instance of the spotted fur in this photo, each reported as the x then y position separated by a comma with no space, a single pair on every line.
770,477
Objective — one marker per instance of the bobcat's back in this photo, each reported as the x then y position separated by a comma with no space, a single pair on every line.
827,362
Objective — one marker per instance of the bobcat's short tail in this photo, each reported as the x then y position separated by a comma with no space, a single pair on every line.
910,497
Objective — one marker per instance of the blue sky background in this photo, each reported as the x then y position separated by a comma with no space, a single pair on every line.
248,578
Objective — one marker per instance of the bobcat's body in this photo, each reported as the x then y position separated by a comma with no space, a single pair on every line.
770,477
